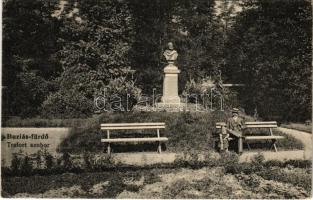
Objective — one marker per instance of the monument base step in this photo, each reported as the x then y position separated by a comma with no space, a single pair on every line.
170,107
161,107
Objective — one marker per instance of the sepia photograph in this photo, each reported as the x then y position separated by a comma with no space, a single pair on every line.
156,99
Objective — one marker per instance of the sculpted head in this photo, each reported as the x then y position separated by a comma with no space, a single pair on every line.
170,54
170,46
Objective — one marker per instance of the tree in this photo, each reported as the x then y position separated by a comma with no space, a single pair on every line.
91,46
269,49
29,41
190,25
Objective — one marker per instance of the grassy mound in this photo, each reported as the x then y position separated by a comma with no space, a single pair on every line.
187,131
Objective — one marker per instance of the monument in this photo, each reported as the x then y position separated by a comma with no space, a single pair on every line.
170,96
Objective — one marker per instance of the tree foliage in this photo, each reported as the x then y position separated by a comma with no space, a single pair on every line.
190,25
29,42
269,49
92,45
59,55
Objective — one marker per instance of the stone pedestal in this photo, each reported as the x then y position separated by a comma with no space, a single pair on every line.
170,85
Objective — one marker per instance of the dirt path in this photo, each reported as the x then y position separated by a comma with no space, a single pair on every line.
306,154
304,137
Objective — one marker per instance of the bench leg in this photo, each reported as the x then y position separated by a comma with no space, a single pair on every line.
274,141
159,148
158,135
240,148
109,149
248,145
274,145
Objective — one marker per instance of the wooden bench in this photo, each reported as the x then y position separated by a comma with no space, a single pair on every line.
253,125
264,125
133,126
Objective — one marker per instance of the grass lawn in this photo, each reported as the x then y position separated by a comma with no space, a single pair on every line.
246,181
186,131
298,126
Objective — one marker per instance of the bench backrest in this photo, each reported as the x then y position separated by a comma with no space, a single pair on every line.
269,124
132,126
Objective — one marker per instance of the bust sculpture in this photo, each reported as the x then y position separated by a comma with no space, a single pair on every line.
170,54
170,84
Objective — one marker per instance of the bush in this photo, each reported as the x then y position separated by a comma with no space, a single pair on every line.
258,159
49,161
80,101
25,96
66,161
20,165
301,179
16,164
67,104
307,164
200,92
26,167
122,91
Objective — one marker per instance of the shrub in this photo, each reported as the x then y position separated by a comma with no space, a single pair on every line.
202,92
301,179
49,161
124,91
116,186
87,160
307,164
29,89
258,161
66,160
176,188
67,104
26,167
15,164
229,159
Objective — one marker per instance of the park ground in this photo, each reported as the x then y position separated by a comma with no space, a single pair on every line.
265,175
229,180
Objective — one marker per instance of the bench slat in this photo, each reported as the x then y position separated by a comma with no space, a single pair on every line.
133,124
262,126
268,122
254,126
152,139
263,137
132,127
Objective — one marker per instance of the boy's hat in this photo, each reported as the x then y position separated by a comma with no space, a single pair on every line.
235,110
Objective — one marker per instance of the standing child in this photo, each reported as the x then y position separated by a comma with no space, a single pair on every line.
224,137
